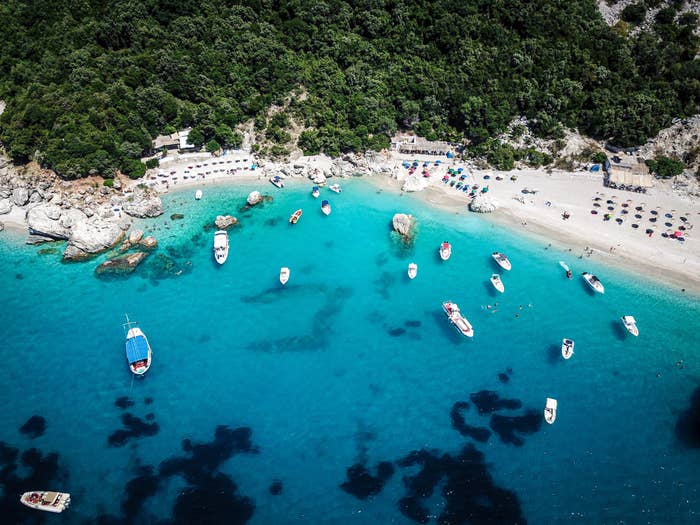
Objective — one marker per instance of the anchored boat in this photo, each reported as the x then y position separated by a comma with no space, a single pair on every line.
550,410
630,324
138,351
566,269
221,246
198,194
567,348
294,218
326,207
46,500
315,192
501,260
457,319
445,250
335,188
593,282
497,283
412,270
277,181
284,275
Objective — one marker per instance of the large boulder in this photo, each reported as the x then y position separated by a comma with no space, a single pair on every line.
254,197
318,178
43,220
88,238
121,264
135,236
149,242
403,224
415,184
143,203
5,206
224,222
482,203
20,196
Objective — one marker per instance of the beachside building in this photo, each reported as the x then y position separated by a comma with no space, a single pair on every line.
628,171
184,144
414,144
174,142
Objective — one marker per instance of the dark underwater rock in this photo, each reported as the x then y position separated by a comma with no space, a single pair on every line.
688,423
362,484
480,434
507,427
488,401
34,427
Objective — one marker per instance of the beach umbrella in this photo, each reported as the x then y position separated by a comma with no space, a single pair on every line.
684,219
624,204
618,220
597,199
611,208
637,216
677,234
681,228
635,226
639,208
649,230
596,205
594,212
654,212
624,212
610,201
668,216
668,224
653,219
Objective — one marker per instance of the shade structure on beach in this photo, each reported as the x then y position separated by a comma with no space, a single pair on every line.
637,216
596,205
649,230
654,212
668,224
677,234
668,216
594,212
635,226
624,212
639,208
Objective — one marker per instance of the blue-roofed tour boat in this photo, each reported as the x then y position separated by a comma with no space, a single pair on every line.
138,351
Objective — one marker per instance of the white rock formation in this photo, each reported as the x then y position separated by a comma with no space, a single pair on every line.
254,197
223,222
89,238
412,183
143,203
402,224
482,203
135,236
5,206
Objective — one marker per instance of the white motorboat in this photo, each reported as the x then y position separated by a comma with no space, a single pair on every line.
294,218
501,260
221,246
593,282
497,283
315,192
567,348
412,270
566,268
284,275
457,319
326,207
630,324
277,181
138,351
445,250
46,500
198,194
335,188
550,410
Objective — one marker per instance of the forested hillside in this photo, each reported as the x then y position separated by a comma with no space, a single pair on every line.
89,83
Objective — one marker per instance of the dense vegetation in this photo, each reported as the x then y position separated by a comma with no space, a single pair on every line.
88,83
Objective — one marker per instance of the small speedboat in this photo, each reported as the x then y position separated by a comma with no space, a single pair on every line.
497,283
566,269
221,246
277,181
593,282
630,324
335,187
294,218
457,319
412,270
445,250
198,194
567,348
284,275
550,410
138,351
326,207
315,192
46,500
501,260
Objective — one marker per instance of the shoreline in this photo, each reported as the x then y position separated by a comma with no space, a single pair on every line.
536,214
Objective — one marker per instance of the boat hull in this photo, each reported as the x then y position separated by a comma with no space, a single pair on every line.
594,283
567,348
550,410
221,246
630,327
412,270
502,261
294,218
57,501
497,284
457,319
445,251
284,275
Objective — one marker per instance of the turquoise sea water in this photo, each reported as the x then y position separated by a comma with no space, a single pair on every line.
350,364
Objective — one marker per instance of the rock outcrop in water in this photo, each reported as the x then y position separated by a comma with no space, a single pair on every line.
254,198
122,264
404,225
224,222
143,203
482,203
91,237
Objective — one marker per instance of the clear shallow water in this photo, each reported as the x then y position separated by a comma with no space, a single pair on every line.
349,363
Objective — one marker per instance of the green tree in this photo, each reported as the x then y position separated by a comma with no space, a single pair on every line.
213,146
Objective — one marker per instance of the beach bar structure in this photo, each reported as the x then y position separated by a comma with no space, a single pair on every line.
419,145
628,171
176,141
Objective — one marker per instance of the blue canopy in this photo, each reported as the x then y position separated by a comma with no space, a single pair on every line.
136,349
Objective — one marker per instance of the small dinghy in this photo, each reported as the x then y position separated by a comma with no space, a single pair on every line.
593,282
412,270
326,207
550,410
630,324
46,500
445,250
501,260
315,192
567,348
284,275
198,194
294,218
497,283
335,188
566,269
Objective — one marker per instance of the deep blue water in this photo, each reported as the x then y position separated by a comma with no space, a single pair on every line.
350,364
